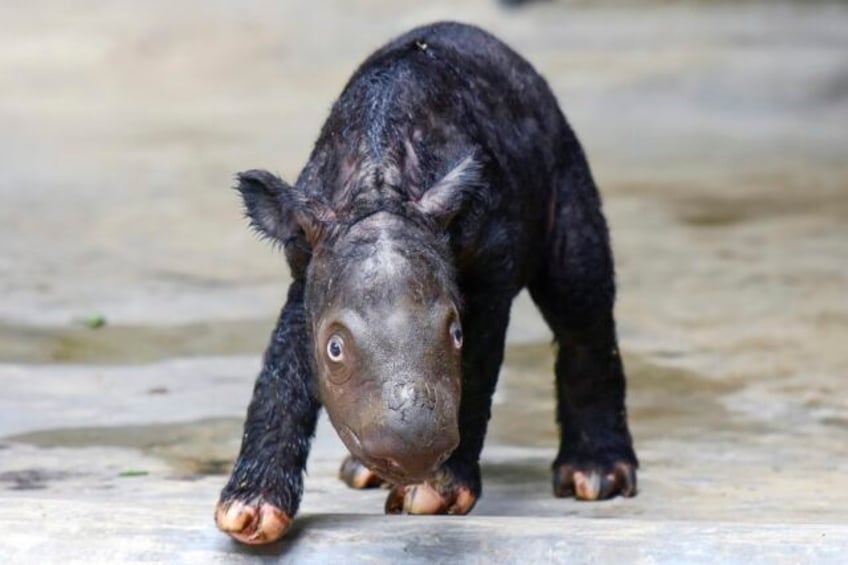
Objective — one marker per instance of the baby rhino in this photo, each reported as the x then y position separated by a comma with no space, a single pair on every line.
445,180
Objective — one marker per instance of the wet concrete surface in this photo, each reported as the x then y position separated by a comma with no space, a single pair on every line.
716,131
111,344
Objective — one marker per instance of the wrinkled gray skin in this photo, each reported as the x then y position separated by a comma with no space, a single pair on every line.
387,343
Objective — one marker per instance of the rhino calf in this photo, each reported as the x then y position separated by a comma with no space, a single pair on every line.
444,181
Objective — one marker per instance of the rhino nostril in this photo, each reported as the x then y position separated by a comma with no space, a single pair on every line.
406,395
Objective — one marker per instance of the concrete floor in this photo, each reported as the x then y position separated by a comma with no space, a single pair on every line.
716,131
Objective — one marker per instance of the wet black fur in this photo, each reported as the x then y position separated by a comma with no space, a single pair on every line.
528,215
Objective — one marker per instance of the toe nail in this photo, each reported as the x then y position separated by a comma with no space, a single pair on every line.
395,501
626,478
564,481
409,500
464,502
609,486
273,524
360,478
587,485
238,517
424,500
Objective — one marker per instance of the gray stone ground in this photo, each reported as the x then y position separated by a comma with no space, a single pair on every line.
717,131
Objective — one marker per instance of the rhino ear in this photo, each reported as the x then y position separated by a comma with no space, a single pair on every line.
277,210
449,195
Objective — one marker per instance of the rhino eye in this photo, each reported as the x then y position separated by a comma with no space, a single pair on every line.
335,348
456,334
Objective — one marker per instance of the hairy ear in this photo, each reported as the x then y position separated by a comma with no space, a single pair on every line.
276,209
449,195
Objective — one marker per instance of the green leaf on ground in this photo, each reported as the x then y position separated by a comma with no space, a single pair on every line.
95,320
133,473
